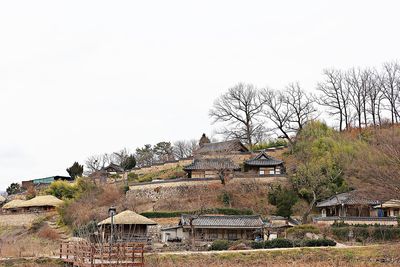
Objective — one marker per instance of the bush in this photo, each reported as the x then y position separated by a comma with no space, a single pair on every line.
62,189
299,231
279,243
132,176
220,245
362,233
48,233
318,243
257,245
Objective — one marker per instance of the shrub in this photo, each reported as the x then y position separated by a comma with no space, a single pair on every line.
299,231
362,233
220,245
279,243
318,243
132,176
62,189
225,198
257,245
48,233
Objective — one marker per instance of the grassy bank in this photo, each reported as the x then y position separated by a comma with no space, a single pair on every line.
321,257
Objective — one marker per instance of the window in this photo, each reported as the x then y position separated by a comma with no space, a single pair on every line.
396,212
262,171
232,235
271,170
278,170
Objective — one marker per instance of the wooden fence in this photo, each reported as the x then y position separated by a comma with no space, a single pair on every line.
85,254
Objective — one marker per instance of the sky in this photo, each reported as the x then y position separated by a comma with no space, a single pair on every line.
79,78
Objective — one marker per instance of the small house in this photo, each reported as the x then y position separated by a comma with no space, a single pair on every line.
128,227
211,168
36,204
12,206
113,169
351,208
389,208
264,165
207,228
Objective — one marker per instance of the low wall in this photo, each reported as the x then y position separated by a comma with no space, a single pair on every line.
357,220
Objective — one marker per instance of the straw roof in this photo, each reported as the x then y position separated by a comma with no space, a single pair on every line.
128,217
41,201
13,204
2,199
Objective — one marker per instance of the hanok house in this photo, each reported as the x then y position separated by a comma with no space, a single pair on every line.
225,147
389,208
211,168
207,228
113,169
351,208
264,165
128,227
37,204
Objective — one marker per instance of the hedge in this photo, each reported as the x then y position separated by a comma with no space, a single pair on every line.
286,243
362,233
171,214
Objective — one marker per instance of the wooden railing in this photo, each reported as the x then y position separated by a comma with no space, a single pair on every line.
85,254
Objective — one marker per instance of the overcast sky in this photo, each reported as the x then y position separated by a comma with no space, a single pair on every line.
85,77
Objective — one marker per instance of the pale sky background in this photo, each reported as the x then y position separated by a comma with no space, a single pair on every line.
86,77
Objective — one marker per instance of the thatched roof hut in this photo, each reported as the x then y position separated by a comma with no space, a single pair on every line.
128,217
42,201
13,204
128,226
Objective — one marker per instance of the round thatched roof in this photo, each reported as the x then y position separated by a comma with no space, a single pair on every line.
128,217
13,204
42,201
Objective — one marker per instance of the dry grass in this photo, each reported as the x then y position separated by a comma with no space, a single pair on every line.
46,232
322,257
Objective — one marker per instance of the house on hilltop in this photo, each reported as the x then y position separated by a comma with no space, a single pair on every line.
211,167
114,169
225,147
264,165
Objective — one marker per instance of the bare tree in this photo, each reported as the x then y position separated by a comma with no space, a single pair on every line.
373,94
353,82
240,108
278,111
181,149
335,97
97,162
301,105
390,82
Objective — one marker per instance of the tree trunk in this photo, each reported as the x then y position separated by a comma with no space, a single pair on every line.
310,207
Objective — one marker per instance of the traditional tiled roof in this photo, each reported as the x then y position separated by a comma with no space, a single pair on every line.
222,221
263,159
222,147
349,198
212,164
114,167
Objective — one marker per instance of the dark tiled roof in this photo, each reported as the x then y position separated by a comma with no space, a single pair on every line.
114,167
212,164
349,198
222,221
263,159
222,147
